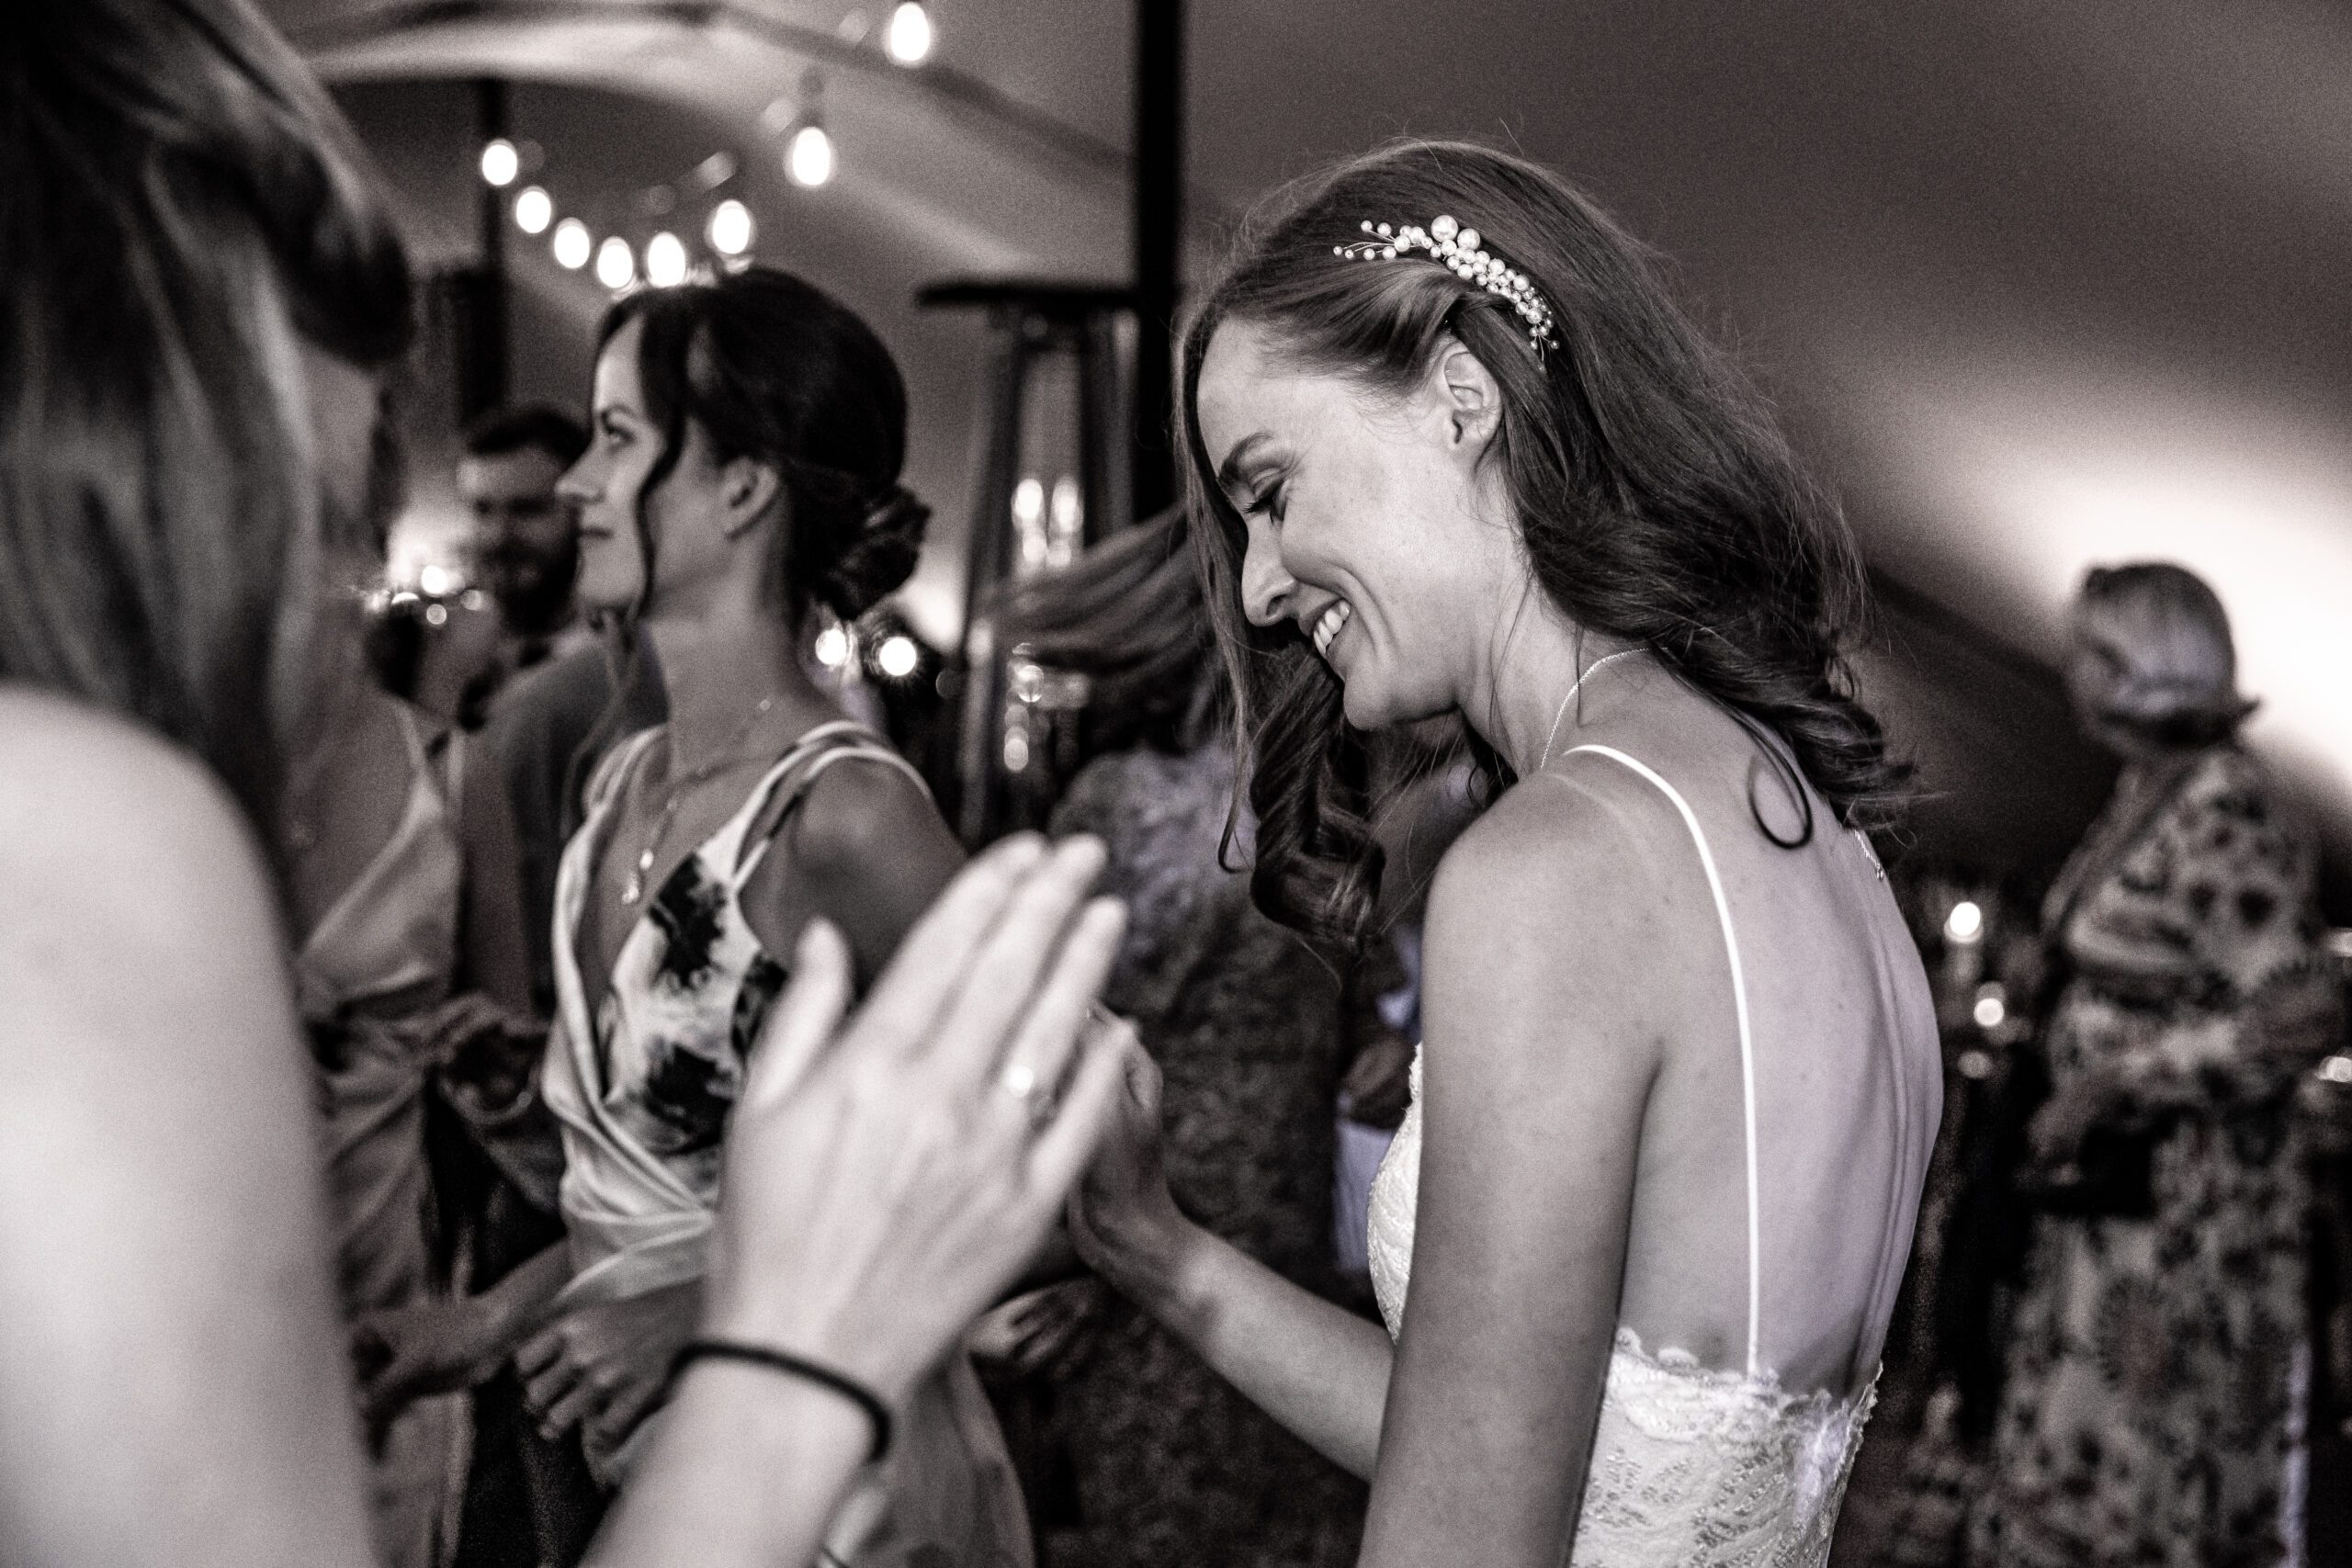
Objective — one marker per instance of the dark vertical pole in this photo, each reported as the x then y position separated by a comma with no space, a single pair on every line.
1158,228
482,326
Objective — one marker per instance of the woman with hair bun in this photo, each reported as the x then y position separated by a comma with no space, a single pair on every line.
743,475
2146,1410
1454,450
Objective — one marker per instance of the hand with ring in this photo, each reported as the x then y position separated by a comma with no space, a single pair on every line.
883,1191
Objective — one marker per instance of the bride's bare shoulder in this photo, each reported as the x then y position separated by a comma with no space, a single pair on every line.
113,820
1562,885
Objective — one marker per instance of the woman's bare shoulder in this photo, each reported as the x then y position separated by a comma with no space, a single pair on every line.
110,820
1581,844
1553,906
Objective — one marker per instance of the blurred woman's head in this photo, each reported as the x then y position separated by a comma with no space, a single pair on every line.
1126,615
200,281
1395,457
2149,664
749,435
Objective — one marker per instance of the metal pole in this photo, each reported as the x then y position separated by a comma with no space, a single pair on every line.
1158,232
482,355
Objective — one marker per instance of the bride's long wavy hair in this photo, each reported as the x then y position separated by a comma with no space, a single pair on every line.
1657,500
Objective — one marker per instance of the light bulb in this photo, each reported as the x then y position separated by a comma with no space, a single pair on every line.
615,266
910,36
665,261
732,228
501,162
809,161
1967,922
898,655
833,648
572,244
534,209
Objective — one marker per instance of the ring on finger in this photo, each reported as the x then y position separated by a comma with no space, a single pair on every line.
1020,1080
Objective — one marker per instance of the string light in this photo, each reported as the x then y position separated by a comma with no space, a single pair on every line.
833,648
732,228
1967,922
572,244
898,655
534,209
911,37
615,264
665,260
809,161
501,162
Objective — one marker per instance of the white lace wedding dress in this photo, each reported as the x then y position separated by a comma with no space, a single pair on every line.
1690,1467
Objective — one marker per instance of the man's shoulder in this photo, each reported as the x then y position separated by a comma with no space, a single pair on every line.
567,695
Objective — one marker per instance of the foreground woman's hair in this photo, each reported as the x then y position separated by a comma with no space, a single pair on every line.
178,206
1656,499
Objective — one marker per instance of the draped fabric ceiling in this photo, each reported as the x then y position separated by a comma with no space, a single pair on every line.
2036,285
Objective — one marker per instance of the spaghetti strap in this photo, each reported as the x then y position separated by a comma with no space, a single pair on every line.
1747,1039
839,741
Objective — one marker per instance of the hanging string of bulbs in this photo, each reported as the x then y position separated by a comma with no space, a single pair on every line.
729,228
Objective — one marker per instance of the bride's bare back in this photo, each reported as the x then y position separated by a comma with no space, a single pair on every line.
1848,1076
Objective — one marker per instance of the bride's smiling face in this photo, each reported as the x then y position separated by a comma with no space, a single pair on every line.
1372,526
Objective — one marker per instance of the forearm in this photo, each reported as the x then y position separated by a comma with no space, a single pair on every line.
519,1136
517,1305
746,1468
1317,1369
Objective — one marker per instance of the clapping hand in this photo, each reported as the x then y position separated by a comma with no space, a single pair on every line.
887,1178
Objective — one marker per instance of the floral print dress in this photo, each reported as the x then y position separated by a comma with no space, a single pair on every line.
644,1083
2147,1411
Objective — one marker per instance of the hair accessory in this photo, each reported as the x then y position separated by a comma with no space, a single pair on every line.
1458,250
849,1388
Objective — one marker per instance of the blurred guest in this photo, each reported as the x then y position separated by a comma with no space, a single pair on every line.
546,731
524,551
409,963
1172,1465
526,537
2149,1395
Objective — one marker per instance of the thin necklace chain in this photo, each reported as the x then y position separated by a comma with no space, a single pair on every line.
729,752
1563,710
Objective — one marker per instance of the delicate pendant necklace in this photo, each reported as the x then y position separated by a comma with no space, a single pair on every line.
729,754
1579,687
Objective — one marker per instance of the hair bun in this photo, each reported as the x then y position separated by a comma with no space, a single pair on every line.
880,559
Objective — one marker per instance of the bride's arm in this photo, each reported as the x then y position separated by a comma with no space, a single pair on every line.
1546,1004
1320,1371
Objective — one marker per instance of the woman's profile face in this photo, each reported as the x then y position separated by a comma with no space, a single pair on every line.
624,443
1370,526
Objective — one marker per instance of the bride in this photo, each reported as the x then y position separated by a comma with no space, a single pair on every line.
1454,449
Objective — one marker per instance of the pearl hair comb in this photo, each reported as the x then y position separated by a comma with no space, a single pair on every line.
1458,250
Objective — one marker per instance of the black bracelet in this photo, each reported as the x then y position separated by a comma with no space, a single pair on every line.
849,1388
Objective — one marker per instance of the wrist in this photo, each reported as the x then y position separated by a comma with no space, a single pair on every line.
866,1354
1153,1260
842,1390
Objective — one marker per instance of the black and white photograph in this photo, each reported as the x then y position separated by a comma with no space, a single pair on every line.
1175,784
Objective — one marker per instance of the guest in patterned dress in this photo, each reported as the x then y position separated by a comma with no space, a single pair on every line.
1170,1465
2153,1367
